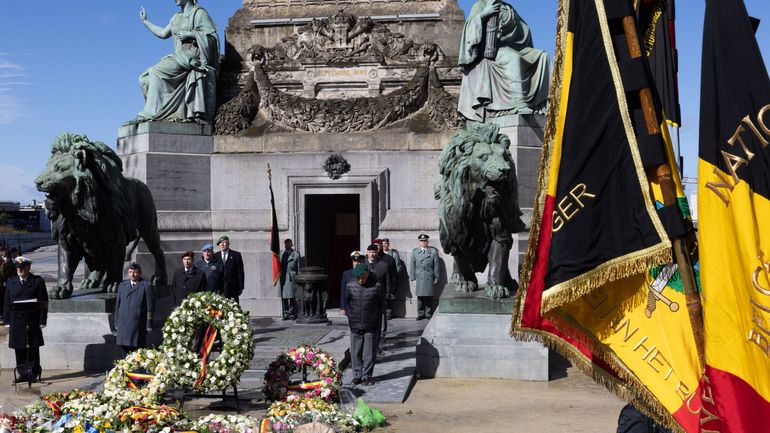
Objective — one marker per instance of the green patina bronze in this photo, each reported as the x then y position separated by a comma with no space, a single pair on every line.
182,86
97,214
479,211
502,72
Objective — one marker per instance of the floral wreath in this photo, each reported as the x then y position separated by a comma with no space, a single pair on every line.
120,382
222,317
277,385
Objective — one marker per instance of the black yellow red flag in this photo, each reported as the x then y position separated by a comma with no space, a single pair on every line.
733,208
597,283
275,245
657,29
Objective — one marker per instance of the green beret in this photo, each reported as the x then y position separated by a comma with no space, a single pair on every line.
360,269
222,239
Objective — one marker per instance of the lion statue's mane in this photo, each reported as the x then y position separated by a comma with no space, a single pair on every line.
97,214
479,211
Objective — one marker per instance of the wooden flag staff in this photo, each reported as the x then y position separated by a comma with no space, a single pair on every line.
663,176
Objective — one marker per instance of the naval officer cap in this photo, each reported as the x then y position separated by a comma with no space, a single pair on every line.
222,239
423,237
208,247
22,261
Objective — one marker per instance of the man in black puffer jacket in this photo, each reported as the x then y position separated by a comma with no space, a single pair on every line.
365,303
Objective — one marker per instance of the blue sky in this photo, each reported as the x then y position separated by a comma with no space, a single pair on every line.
74,66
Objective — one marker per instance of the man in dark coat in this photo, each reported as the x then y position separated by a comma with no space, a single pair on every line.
212,268
187,279
26,313
233,268
633,421
390,295
133,310
364,301
381,268
7,270
355,257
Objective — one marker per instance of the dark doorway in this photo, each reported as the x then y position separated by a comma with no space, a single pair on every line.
332,231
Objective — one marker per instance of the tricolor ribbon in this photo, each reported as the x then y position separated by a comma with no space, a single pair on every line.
306,385
208,342
138,377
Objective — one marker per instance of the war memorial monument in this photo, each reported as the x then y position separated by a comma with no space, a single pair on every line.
351,104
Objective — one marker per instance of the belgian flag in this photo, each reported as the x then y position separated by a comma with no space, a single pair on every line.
275,245
658,34
598,283
733,209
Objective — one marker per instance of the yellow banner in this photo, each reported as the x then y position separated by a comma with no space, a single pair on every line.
735,261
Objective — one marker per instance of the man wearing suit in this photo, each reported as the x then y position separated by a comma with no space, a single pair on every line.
26,313
289,269
133,310
424,271
212,268
381,265
232,265
187,279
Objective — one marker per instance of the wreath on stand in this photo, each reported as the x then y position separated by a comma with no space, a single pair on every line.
140,377
223,320
277,382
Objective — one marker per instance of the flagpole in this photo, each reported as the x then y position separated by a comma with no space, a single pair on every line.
274,242
663,177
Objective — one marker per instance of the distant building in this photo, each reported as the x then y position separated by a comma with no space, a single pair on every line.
31,217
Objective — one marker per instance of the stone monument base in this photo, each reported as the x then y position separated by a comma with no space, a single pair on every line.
79,335
468,337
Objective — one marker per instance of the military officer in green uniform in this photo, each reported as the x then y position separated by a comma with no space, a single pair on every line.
289,269
423,270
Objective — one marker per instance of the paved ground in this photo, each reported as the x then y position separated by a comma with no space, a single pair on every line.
570,402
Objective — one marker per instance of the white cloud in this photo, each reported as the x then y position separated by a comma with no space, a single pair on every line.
18,185
12,106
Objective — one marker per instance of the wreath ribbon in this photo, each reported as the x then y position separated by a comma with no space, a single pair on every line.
138,377
306,385
138,412
208,342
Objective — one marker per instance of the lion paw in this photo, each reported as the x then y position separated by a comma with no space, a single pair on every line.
112,288
496,291
461,285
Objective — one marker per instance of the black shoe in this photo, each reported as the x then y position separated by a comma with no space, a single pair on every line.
420,317
368,381
357,381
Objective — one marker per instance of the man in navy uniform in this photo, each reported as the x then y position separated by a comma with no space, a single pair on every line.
232,265
26,313
289,269
212,268
187,279
424,271
133,310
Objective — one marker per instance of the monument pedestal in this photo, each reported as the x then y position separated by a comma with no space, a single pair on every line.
78,336
468,337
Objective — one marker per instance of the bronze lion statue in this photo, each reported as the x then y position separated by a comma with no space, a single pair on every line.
478,208
96,214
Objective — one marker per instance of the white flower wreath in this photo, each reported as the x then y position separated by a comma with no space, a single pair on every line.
118,384
232,325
